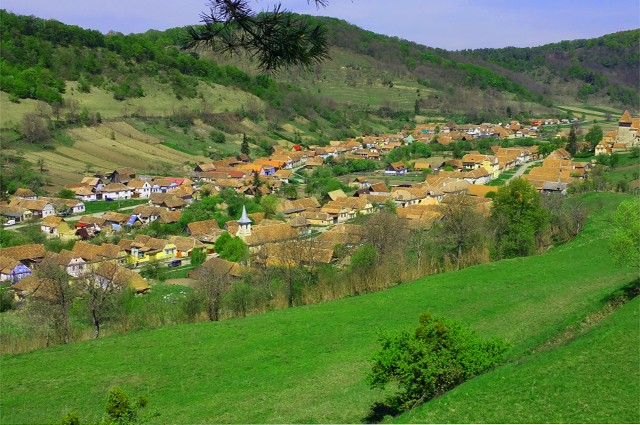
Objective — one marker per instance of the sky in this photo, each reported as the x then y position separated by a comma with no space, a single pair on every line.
447,24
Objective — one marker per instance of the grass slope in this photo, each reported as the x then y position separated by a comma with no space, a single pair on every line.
593,379
307,364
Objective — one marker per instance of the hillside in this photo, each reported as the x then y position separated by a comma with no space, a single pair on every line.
307,364
593,379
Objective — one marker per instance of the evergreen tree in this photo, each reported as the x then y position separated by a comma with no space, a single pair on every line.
244,147
572,147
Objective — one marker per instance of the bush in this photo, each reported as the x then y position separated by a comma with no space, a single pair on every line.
440,355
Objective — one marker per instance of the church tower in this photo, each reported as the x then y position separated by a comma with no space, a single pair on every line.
244,224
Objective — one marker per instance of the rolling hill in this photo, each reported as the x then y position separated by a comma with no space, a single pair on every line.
308,364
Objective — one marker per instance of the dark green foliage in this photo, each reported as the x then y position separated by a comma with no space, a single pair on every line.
572,146
120,410
66,194
624,242
7,301
594,135
438,356
518,219
217,137
276,39
244,146
231,248
198,256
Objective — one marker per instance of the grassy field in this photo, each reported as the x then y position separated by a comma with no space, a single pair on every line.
307,364
100,206
592,379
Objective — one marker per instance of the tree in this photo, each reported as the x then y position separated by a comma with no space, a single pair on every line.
100,294
518,218
198,257
461,225
624,243
52,300
66,194
213,283
276,39
244,146
438,356
120,410
572,145
269,205
594,136
40,164
34,128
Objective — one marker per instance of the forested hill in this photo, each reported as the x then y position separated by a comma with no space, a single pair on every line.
600,69
603,66
38,57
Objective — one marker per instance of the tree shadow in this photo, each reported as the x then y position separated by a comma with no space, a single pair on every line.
378,412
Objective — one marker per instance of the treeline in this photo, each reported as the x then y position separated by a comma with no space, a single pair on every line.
604,65
38,55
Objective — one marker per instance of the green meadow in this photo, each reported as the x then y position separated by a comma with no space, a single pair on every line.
308,364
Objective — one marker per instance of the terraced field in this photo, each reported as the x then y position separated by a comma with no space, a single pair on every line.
95,149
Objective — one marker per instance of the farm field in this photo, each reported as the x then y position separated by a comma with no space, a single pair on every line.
159,100
592,379
308,364
95,150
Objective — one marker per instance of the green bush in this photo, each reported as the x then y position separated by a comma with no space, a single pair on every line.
440,355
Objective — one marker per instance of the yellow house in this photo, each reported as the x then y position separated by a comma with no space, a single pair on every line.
54,226
145,248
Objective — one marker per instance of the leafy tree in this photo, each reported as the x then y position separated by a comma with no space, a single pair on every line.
235,250
100,295
624,243
66,194
438,356
212,285
277,39
594,136
7,301
198,256
269,205
519,219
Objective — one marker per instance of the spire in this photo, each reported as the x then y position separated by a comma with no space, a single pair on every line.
244,219
625,118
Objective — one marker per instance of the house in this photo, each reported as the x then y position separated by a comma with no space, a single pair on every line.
38,208
396,169
145,248
107,273
122,175
84,193
317,217
140,188
116,191
422,165
25,193
70,261
162,185
15,213
98,253
95,184
167,200
66,206
219,268
26,254
12,270
54,226
283,175
206,231
186,245
335,194
360,183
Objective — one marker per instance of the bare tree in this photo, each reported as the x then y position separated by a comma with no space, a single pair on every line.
100,292
213,282
462,224
53,297
34,129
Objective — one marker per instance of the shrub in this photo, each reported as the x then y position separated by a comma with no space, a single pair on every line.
438,356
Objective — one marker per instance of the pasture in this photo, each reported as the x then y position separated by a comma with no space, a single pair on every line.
307,364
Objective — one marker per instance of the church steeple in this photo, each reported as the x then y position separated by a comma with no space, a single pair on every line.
244,224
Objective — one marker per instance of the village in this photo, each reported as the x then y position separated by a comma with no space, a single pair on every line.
328,221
